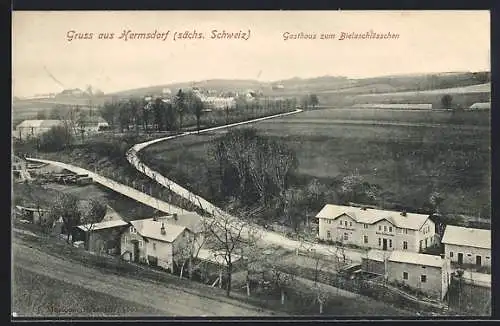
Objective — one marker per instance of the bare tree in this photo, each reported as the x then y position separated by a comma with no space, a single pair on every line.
65,206
322,295
94,213
256,262
186,254
281,280
228,236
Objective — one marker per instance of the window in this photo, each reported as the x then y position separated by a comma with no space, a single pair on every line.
154,246
451,254
405,275
406,231
345,223
426,242
380,228
350,223
423,278
328,234
390,228
385,228
390,243
132,230
379,242
469,255
140,243
340,222
405,245
365,239
365,226
346,236
487,257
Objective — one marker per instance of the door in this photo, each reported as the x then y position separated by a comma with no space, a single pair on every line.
136,251
478,260
460,258
384,244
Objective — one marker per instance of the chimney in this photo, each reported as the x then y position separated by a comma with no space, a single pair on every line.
403,213
163,232
174,216
363,208
155,218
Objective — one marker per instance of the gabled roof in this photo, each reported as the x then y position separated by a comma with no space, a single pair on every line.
191,221
469,237
371,216
103,225
111,214
39,124
152,229
408,257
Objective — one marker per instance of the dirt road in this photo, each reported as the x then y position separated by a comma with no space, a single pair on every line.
171,300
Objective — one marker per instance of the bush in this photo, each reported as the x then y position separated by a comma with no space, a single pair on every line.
56,139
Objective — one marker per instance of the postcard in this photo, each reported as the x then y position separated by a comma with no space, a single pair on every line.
329,164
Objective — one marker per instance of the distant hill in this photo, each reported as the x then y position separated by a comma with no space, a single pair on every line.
331,90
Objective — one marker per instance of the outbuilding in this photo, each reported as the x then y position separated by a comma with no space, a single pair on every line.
428,273
467,246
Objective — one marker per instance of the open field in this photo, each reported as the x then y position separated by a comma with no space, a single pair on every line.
164,299
407,160
39,295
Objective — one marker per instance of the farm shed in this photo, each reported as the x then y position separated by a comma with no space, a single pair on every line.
34,215
375,261
395,106
102,237
428,273
35,128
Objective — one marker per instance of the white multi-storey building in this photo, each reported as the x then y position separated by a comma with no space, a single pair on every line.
375,228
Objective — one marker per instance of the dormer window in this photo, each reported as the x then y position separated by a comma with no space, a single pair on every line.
133,230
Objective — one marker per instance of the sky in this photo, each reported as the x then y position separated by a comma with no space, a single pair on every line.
429,41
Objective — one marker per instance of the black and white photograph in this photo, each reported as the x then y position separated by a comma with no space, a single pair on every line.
332,164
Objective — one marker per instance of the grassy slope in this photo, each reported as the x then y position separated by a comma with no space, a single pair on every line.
38,295
409,162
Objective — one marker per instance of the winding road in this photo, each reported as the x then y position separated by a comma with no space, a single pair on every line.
266,236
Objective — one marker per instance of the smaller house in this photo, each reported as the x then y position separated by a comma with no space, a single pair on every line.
375,261
428,273
154,242
467,246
